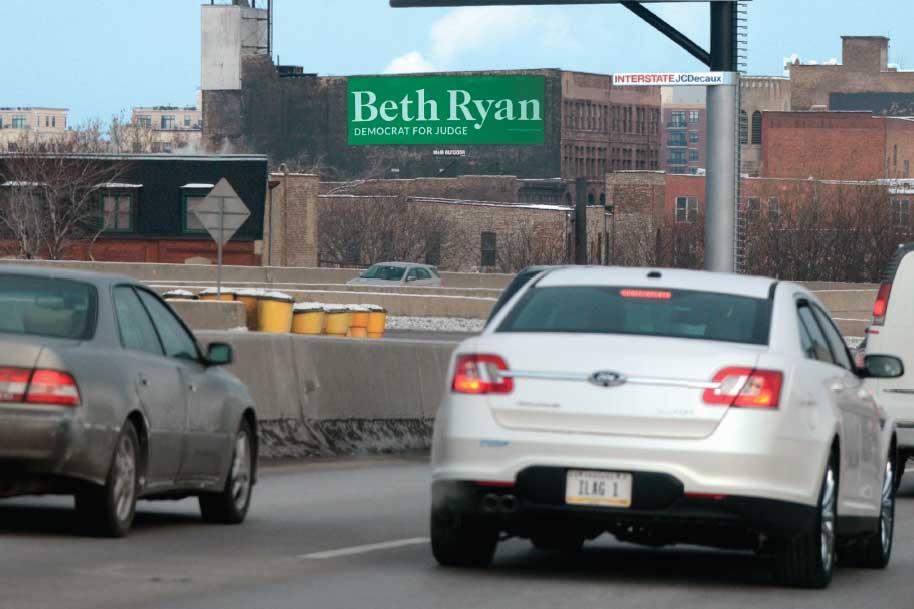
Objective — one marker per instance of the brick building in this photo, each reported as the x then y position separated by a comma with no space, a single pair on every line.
250,104
864,81
836,145
684,124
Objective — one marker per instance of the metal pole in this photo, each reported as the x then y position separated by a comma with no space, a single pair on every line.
219,248
605,251
722,172
580,221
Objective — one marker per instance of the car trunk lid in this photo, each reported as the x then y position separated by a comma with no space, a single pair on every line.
612,384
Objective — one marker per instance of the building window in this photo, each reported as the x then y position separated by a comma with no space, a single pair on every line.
117,212
907,169
753,208
191,223
186,121
168,121
47,123
774,210
693,155
694,137
19,122
686,209
433,249
144,121
678,118
694,116
1,122
743,127
901,212
488,249
678,138
756,128
53,121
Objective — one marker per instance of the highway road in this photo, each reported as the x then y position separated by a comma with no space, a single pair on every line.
348,534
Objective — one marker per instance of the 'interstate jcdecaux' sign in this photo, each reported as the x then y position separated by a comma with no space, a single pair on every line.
446,110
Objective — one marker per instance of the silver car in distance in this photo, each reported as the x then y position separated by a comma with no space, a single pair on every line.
665,407
106,395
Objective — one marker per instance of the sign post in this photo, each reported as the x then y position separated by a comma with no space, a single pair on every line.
221,213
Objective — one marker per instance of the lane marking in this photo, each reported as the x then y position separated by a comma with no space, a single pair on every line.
373,547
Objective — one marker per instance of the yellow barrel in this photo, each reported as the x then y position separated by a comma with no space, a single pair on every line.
274,312
377,321
358,321
308,318
179,295
228,294
336,320
249,297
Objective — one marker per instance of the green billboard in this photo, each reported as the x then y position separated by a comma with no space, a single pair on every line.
446,110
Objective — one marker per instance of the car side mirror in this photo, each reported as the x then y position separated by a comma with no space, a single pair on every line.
220,354
883,367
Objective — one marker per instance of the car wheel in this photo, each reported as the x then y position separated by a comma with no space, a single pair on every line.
109,510
874,551
557,541
231,504
462,541
808,560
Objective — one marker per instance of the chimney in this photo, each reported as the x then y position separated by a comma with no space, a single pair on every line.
869,54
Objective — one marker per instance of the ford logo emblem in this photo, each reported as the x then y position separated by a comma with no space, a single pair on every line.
607,379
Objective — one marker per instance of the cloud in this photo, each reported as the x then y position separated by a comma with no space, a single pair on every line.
409,63
471,30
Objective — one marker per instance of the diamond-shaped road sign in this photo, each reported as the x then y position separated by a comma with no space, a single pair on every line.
222,212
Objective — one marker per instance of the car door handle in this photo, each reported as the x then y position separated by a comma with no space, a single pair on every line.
191,387
144,381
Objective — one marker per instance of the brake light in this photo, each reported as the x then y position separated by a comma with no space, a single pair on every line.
882,304
13,384
646,294
52,387
480,374
745,388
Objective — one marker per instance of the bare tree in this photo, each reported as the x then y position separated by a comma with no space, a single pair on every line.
52,193
363,230
531,243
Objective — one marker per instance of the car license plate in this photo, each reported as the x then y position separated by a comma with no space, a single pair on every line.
606,489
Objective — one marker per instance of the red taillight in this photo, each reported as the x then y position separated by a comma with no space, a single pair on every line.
52,387
479,374
646,294
14,382
882,304
745,388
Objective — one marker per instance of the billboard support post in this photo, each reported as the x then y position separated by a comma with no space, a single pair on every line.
722,142
723,109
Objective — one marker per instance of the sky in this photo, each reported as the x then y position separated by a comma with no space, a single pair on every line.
102,57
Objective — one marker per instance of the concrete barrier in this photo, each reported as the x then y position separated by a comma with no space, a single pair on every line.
326,396
337,287
210,314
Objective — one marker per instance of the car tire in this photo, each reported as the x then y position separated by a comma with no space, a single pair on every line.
231,504
557,541
462,541
875,550
109,510
808,559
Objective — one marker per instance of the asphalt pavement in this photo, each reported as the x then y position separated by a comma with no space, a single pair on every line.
348,534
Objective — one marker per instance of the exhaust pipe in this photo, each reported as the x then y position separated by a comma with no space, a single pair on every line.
507,504
489,503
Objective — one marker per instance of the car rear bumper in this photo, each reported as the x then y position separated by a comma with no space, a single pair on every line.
49,443
660,513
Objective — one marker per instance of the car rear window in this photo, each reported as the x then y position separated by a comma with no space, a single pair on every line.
40,306
642,312
385,272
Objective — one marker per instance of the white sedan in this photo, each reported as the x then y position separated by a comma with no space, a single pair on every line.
665,407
